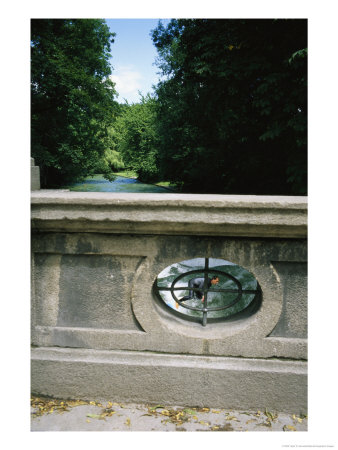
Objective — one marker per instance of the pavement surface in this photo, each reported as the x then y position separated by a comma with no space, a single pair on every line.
76,415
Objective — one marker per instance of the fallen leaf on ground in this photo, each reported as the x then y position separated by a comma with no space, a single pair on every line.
108,413
45,405
298,419
289,427
189,411
94,416
270,415
250,421
232,418
153,408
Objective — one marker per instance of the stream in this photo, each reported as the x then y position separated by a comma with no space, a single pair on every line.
121,184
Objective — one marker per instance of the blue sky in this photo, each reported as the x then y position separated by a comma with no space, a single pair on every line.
133,57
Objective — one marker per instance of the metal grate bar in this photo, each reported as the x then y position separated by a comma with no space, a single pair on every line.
185,288
205,290
205,293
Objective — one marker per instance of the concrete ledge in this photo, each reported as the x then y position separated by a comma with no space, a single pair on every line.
144,377
176,214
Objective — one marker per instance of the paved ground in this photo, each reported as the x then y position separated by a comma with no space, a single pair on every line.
65,415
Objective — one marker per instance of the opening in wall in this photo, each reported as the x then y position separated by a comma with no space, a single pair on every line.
206,289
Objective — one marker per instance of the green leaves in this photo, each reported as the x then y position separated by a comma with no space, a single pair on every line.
72,97
137,139
231,116
298,54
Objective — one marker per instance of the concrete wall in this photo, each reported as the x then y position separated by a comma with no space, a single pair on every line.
99,329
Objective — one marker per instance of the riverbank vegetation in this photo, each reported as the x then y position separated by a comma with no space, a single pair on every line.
72,97
229,115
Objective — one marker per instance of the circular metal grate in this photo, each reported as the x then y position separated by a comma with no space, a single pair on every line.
203,288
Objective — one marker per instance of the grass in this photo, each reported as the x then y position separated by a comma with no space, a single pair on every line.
133,174
164,184
126,173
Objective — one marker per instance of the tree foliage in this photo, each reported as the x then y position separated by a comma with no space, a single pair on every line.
137,139
72,97
232,107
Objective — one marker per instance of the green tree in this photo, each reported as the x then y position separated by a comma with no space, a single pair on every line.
72,97
232,107
112,160
136,137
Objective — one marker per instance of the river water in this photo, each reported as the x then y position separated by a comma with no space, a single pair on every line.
121,184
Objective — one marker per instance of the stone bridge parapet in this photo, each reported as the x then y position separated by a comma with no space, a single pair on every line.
99,329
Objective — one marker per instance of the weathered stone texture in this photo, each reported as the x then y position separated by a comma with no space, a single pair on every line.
232,383
95,291
293,320
95,262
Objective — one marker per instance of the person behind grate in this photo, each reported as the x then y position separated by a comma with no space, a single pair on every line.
198,283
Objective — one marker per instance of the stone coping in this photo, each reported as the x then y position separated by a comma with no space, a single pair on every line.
175,214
